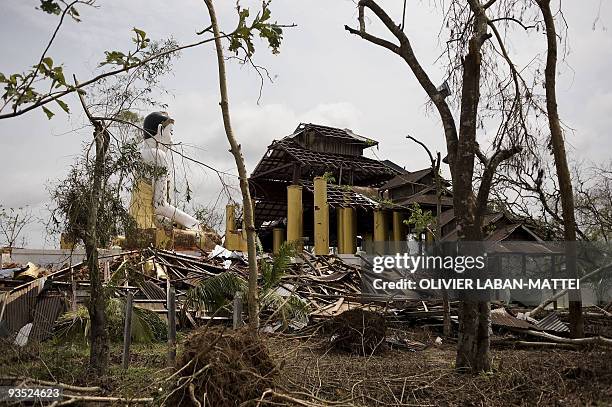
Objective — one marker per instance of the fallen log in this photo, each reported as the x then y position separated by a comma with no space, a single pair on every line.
511,343
561,293
594,340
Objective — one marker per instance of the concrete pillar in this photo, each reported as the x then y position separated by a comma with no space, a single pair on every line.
278,237
348,232
321,217
339,214
380,226
399,230
232,240
294,215
398,226
230,218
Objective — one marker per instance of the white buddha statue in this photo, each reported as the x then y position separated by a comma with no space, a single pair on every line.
158,129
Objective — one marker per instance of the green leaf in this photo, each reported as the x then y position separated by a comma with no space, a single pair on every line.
50,7
63,105
48,112
114,58
140,33
58,75
48,61
215,292
141,38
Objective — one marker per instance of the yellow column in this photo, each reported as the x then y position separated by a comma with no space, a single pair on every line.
380,226
321,217
230,218
232,239
348,232
278,236
429,237
398,226
399,230
339,214
294,215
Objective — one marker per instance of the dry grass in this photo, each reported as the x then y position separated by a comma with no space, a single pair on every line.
403,378
305,372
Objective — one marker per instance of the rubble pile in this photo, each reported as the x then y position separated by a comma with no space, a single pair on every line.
33,298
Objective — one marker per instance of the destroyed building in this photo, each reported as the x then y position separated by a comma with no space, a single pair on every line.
316,186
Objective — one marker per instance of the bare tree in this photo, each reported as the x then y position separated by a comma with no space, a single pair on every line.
562,168
273,33
593,199
475,46
12,223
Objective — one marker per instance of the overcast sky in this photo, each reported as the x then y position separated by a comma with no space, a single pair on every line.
322,75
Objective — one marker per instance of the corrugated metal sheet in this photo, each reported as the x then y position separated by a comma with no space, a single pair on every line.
152,291
48,308
19,306
552,323
501,317
21,302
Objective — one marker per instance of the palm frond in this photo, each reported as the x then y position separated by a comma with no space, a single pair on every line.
285,309
118,276
147,326
272,273
215,292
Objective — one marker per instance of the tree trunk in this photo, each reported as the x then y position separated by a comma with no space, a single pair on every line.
474,317
446,316
563,173
473,347
99,347
474,341
247,203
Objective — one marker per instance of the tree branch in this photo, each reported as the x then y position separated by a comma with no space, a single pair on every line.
407,53
50,98
40,61
374,39
487,177
519,22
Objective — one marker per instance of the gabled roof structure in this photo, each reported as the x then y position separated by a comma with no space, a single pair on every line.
428,197
286,156
410,177
333,132
315,150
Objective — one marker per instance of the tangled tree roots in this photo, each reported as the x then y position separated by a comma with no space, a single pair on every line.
221,368
358,332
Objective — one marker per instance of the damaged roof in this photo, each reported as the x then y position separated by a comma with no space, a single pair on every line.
278,163
327,131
